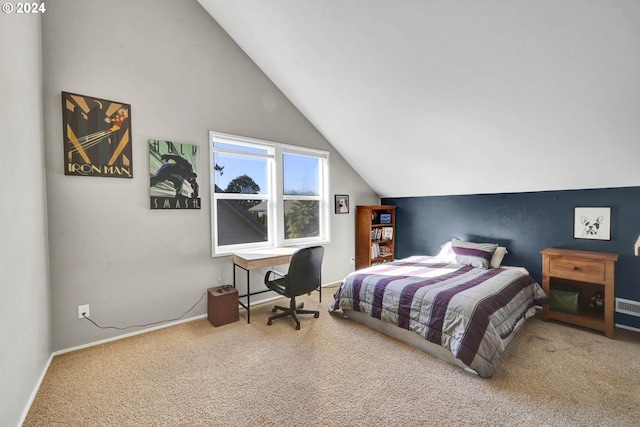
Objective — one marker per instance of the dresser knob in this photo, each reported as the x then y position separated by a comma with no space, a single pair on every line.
575,268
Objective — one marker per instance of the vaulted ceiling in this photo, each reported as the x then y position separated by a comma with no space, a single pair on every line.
434,97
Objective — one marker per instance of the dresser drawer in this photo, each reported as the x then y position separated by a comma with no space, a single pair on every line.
577,269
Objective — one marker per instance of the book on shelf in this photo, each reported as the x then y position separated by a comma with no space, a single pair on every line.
380,250
387,233
382,233
385,250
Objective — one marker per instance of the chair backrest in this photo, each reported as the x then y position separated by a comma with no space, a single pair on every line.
305,270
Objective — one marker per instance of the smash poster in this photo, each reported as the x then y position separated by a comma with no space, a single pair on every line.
173,181
97,136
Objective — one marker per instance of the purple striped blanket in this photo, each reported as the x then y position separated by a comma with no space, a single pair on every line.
473,312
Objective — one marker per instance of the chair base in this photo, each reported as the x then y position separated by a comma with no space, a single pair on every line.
293,310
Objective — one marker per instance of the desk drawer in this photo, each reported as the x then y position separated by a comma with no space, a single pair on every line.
577,269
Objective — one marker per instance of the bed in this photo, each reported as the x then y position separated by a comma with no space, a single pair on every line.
449,305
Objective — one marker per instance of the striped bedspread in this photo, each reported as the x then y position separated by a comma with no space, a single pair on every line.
473,312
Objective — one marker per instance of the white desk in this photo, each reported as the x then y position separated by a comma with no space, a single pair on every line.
250,260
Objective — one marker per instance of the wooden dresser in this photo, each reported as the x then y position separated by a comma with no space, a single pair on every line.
586,272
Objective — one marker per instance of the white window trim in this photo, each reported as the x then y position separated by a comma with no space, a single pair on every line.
274,193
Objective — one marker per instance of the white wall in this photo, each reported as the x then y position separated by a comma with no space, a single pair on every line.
24,305
183,76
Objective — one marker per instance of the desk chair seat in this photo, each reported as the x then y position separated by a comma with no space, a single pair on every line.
303,278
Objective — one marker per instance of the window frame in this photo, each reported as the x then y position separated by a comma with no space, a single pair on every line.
274,195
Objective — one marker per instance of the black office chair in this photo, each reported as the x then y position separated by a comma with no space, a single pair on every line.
303,278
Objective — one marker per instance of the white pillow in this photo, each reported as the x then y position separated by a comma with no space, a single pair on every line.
446,253
498,255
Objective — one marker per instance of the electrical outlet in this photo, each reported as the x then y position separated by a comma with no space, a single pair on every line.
352,260
83,309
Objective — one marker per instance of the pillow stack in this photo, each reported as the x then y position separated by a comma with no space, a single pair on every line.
473,254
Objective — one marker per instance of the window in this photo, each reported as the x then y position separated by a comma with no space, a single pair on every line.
266,194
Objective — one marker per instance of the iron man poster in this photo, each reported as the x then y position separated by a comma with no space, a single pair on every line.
97,137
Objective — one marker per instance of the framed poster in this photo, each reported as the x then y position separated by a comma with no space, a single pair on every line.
342,204
173,181
592,223
97,137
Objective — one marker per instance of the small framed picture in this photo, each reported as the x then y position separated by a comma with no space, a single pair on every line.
592,223
342,204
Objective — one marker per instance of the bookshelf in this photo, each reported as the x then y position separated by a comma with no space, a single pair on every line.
375,235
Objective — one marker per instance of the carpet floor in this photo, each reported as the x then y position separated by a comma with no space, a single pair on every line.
336,372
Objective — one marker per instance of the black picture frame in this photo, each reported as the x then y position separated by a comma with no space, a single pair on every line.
341,204
592,223
97,137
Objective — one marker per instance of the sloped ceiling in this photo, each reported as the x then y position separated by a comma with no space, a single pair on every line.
439,97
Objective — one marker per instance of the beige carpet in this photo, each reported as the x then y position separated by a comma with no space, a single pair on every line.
336,372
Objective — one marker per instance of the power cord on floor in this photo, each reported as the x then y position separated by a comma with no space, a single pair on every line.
146,324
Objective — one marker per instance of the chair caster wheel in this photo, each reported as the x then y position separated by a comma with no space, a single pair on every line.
268,322
273,310
297,327
316,315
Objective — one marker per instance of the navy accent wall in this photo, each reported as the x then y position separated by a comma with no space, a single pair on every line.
525,223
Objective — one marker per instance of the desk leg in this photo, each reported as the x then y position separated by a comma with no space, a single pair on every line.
248,305
248,299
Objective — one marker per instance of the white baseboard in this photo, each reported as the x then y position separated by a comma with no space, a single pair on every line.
35,391
166,325
131,334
